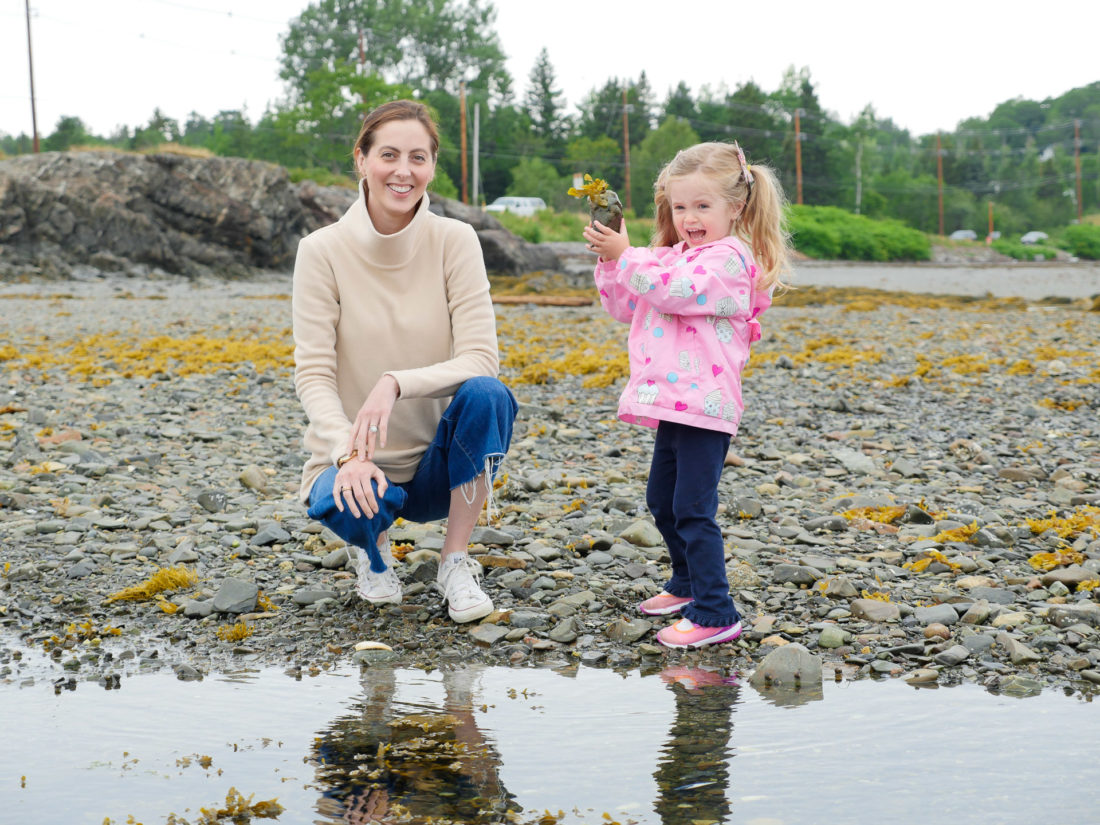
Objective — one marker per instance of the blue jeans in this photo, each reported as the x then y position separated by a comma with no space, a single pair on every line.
472,436
682,495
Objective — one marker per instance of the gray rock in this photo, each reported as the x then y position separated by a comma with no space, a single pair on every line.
198,608
643,534
488,634
236,596
213,501
270,533
1018,652
627,631
529,620
311,595
943,614
489,535
841,587
789,665
873,610
956,654
253,478
795,574
336,559
82,568
565,631
833,637
855,462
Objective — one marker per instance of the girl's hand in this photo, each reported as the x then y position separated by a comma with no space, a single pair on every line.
352,487
369,428
609,245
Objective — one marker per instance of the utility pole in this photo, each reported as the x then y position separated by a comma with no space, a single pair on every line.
939,177
1077,161
798,155
30,63
859,174
989,237
626,149
462,130
477,143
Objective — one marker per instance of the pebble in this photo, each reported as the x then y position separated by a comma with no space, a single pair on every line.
181,473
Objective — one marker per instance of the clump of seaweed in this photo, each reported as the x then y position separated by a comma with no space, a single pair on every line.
238,810
1048,561
883,515
234,632
1086,518
928,556
166,578
959,534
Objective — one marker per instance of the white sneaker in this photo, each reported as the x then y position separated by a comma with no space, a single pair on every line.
377,588
457,581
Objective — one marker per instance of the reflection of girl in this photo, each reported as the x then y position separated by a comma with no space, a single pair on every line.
693,772
395,364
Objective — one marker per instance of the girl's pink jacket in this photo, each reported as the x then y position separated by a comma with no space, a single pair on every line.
692,316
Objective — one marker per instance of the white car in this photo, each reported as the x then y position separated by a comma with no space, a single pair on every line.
964,235
517,206
1033,237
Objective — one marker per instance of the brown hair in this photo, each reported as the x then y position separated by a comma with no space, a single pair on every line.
761,219
397,110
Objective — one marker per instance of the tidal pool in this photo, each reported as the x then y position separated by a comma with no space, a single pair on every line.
679,746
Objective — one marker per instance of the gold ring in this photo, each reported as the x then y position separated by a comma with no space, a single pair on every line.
344,489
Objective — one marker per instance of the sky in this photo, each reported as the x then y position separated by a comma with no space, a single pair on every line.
924,65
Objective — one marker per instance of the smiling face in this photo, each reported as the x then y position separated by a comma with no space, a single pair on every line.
396,168
699,212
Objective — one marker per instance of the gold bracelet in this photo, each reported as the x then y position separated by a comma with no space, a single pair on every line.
340,462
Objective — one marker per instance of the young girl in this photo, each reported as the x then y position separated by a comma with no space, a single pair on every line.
692,301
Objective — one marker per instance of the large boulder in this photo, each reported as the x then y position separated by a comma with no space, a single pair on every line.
111,211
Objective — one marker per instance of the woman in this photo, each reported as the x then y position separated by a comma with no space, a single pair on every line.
395,364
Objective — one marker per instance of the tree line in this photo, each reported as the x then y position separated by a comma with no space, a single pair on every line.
1037,162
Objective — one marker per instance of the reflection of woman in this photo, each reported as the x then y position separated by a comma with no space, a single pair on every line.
395,365
693,773
382,765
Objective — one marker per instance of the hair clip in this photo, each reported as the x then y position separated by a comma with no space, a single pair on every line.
745,168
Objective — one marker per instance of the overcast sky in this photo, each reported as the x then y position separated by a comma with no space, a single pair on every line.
926,65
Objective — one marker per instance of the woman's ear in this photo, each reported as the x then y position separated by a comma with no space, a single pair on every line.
360,162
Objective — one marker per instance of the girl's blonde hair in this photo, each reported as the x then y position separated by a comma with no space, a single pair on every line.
761,220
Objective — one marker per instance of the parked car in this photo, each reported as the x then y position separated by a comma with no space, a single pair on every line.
964,235
516,205
1033,237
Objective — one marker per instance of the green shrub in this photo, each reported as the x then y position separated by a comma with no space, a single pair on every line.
1023,251
828,232
1082,240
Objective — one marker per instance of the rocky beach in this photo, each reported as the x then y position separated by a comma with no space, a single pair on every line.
914,494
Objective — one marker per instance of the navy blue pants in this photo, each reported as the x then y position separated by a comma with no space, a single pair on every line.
472,436
682,495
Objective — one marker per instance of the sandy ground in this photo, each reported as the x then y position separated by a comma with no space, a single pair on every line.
1029,281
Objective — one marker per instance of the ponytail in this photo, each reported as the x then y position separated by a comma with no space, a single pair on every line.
763,225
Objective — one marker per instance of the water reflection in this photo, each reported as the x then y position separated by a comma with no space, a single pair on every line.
387,761
693,771
671,747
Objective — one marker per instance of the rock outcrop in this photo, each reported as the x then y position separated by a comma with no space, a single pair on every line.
67,213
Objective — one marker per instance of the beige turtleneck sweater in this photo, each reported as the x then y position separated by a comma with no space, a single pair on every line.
414,304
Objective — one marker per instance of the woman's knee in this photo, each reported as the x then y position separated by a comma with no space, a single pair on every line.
487,391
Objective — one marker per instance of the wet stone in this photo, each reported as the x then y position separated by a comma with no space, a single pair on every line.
943,614
270,533
236,596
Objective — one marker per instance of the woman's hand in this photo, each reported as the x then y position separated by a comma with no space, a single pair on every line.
608,244
352,487
369,428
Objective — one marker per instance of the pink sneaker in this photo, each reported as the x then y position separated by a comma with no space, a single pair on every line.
664,603
686,634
